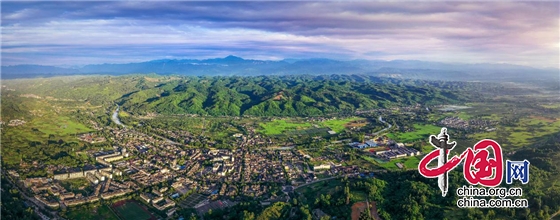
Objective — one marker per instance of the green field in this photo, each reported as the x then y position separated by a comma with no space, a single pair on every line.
421,132
551,105
522,134
408,162
132,211
281,126
123,114
49,127
38,129
316,189
338,125
462,114
60,125
364,162
89,213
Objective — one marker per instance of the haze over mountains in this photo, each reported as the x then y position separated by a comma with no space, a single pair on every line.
232,65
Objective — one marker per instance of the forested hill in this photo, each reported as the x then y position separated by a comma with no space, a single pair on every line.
277,96
257,96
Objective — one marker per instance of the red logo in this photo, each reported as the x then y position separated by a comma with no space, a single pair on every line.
478,168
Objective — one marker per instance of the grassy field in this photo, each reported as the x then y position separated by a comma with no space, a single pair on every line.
132,211
421,132
281,126
462,114
60,125
408,162
338,125
364,162
551,105
123,114
315,190
523,133
39,128
88,213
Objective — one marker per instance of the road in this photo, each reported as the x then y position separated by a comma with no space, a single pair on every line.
316,181
334,177
554,215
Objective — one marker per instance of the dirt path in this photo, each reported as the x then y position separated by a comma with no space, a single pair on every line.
555,214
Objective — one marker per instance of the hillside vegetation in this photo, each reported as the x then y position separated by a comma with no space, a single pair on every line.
234,96
277,96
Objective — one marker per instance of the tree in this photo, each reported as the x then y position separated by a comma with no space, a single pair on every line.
304,212
347,194
248,215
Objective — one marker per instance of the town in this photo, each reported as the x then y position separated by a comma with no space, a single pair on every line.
206,176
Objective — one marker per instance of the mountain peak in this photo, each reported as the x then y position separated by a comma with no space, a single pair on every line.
233,58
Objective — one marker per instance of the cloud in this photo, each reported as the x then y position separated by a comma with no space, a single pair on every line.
48,32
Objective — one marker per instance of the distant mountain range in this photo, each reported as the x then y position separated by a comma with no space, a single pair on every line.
232,65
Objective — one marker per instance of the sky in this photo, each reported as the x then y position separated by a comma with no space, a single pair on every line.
78,33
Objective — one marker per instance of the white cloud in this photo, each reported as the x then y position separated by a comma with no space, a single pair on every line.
522,33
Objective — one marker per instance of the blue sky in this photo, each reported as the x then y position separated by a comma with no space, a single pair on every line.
77,33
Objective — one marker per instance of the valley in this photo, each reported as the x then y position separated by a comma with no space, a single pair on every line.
256,141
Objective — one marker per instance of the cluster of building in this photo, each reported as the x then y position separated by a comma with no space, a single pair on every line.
157,199
386,148
370,143
396,150
147,160
51,192
91,138
456,122
93,173
366,144
107,157
16,122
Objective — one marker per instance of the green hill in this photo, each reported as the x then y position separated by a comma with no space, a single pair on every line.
278,96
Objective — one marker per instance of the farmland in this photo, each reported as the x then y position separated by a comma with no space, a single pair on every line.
523,133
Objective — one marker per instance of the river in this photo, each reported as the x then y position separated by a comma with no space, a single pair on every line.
116,117
384,129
